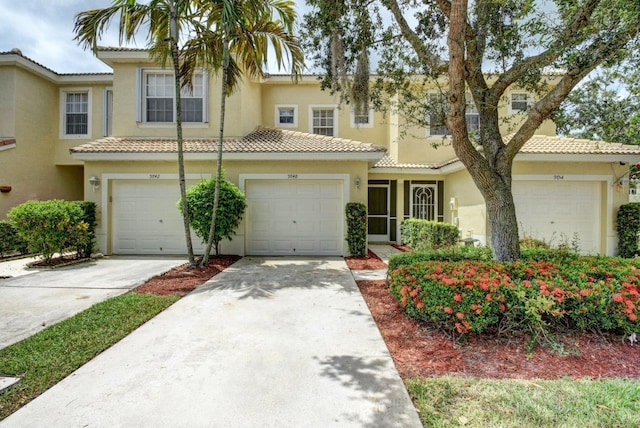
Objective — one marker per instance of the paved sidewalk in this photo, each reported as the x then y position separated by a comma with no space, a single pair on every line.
266,343
383,251
30,303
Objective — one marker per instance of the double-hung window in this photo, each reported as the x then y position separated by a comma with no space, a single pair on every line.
75,121
286,115
362,119
437,115
158,92
324,120
520,102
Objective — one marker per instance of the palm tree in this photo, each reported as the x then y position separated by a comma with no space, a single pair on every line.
234,38
164,21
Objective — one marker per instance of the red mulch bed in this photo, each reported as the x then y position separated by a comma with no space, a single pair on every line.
370,262
181,280
420,351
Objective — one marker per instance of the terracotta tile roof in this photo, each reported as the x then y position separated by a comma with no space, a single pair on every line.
546,144
120,49
262,140
20,54
5,141
538,144
389,162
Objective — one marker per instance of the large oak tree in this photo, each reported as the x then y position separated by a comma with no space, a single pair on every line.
474,50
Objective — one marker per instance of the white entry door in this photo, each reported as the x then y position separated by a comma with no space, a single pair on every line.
294,217
559,210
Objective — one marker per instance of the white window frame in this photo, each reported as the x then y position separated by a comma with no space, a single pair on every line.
471,110
529,101
107,112
333,107
141,108
63,112
278,108
352,120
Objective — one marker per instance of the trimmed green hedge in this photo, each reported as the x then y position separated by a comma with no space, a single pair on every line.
10,241
88,216
50,227
628,224
541,297
423,234
356,228
461,253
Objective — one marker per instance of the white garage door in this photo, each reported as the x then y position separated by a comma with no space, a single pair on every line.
559,210
146,219
294,217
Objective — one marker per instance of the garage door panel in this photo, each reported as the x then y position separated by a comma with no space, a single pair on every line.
301,215
558,211
146,219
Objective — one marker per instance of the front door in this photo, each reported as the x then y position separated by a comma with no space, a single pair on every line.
378,219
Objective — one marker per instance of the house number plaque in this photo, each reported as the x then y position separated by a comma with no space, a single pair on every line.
558,177
154,176
292,176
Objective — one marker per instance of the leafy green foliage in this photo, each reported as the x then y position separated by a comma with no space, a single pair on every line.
628,222
456,253
356,213
50,227
229,214
423,234
472,296
54,353
10,241
606,107
88,216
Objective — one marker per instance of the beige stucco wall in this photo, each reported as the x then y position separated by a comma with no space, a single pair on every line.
233,172
7,101
307,93
96,115
241,113
30,168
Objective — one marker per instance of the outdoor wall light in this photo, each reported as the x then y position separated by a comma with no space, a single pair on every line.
356,183
94,182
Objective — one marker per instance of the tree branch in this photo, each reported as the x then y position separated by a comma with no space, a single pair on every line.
598,53
425,55
570,36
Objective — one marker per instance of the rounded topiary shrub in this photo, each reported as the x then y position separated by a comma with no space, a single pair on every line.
50,227
356,213
231,209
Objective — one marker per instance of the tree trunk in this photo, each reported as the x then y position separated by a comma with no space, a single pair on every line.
181,174
216,193
503,225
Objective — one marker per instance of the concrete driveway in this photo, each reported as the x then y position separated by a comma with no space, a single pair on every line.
266,343
29,303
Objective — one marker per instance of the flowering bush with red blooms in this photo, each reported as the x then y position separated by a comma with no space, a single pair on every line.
584,294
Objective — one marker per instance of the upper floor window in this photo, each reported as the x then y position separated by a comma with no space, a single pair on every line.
286,116
438,111
75,120
158,93
363,120
520,101
324,120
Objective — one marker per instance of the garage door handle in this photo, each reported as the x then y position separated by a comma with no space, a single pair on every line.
294,221
160,220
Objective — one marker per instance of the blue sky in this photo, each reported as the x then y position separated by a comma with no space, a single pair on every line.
43,31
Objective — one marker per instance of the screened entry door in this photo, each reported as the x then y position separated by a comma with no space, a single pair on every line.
424,199
378,219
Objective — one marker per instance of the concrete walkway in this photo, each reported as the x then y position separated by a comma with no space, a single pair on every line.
383,251
31,302
266,343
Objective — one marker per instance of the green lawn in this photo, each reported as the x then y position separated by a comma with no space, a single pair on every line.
47,357
455,401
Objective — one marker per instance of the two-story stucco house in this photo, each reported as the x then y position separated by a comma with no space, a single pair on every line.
298,155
